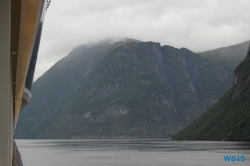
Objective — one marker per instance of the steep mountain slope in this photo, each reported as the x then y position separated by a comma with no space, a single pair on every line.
127,89
229,118
229,57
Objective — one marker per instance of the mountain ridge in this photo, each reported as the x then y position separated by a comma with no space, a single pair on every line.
121,90
229,57
228,119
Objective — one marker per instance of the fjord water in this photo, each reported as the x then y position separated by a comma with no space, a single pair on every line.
130,152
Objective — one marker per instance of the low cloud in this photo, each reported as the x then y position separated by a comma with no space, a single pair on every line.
198,25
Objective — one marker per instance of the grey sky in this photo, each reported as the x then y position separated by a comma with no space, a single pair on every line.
198,25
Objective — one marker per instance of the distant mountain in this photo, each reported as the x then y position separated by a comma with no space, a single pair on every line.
123,89
229,57
229,118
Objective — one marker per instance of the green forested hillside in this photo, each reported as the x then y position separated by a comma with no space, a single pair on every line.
127,89
229,118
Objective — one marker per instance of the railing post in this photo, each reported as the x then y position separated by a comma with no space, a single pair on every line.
6,105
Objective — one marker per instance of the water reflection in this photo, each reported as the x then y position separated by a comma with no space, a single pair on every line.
135,144
127,152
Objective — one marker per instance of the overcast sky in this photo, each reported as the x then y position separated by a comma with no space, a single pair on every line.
198,25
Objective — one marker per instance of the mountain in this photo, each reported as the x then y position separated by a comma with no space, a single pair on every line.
123,89
229,57
229,118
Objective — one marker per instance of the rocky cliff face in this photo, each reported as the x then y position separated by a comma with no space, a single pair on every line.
242,79
127,89
229,118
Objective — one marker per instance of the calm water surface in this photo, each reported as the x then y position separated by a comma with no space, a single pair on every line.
130,152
